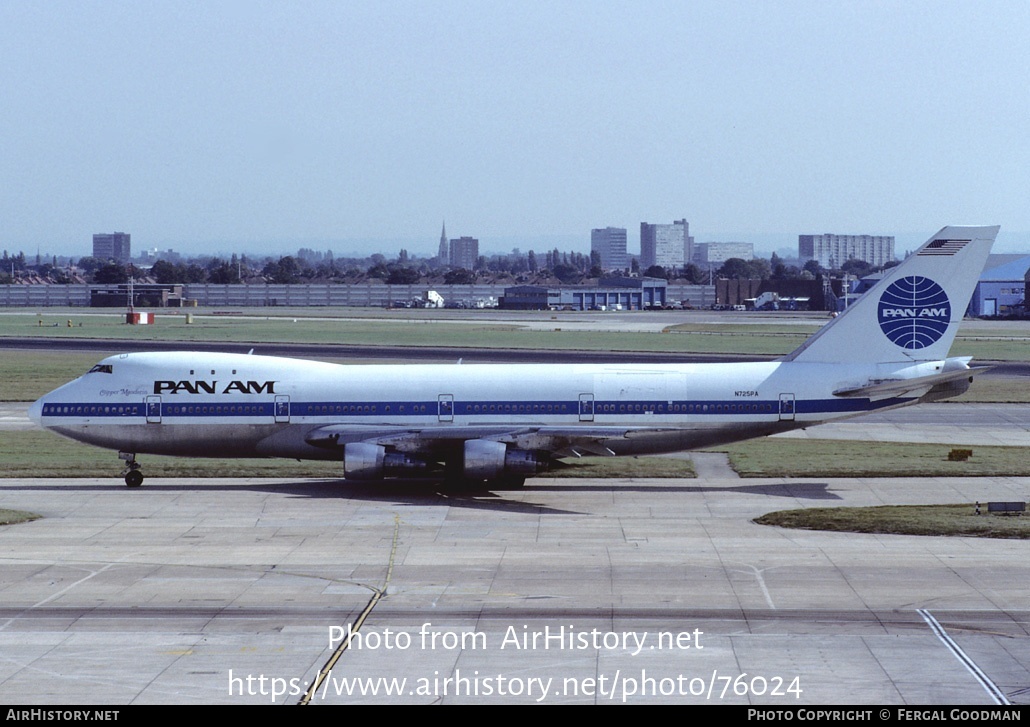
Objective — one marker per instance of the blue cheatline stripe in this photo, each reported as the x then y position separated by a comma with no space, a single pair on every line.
469,409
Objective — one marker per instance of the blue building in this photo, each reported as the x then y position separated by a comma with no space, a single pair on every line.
1002,286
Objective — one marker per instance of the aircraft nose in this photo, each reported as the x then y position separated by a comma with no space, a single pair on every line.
36,412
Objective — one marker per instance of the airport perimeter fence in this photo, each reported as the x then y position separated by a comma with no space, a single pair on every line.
306,295
44,296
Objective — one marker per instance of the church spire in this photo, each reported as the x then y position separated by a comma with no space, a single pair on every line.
444,252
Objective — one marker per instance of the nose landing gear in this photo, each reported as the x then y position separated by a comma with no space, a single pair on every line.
133,475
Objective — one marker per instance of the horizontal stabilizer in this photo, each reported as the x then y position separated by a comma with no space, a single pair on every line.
896,387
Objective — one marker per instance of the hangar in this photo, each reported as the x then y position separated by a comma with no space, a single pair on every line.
617,293
1002,286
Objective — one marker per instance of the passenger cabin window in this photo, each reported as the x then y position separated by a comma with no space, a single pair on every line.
102,369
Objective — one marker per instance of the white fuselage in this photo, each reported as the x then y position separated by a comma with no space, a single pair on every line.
231,405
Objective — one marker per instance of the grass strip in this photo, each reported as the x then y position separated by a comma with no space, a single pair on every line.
486,331
950,520
782,457
11,517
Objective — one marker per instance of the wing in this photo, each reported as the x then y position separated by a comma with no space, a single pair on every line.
440,442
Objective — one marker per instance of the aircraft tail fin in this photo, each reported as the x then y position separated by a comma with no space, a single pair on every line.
913,313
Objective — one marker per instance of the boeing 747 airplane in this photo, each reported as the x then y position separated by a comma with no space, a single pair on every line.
496,425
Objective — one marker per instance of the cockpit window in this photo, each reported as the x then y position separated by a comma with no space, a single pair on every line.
102,369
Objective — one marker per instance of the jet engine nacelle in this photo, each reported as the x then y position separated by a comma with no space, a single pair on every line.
486,460
363,461
521,462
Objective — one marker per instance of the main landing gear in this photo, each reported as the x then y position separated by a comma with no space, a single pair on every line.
133,475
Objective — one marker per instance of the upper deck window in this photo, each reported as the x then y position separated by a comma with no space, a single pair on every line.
102,369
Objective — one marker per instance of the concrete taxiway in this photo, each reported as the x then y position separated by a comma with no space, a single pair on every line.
643,591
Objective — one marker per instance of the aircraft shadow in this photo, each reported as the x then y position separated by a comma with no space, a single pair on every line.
795,490
410,493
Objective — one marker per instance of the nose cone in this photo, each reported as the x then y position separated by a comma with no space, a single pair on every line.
36,412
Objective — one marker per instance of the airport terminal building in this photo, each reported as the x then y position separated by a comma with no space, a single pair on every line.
608,294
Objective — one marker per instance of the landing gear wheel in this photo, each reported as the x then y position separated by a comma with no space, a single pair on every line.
132,474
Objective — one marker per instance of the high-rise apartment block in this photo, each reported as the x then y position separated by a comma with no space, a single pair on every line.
112,246
610,244
832,251
464,253
670,246
716,253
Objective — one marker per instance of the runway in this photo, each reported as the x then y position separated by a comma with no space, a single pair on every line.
637,591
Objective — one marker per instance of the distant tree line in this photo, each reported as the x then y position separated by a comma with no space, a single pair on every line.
309,265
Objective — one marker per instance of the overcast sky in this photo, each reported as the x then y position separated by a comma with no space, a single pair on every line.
211,126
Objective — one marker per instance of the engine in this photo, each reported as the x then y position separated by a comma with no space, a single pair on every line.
481,460
363,461
487,460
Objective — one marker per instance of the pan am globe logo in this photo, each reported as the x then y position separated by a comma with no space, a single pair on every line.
914,312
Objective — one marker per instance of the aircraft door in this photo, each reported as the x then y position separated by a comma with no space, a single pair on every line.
786,407
445,407
586,407
153,410
282,409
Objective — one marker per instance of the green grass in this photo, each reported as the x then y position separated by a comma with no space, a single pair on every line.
782,331
27,375
1000,350
782,457
996,390
380,333
253,329
475,329
11,517
953,520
